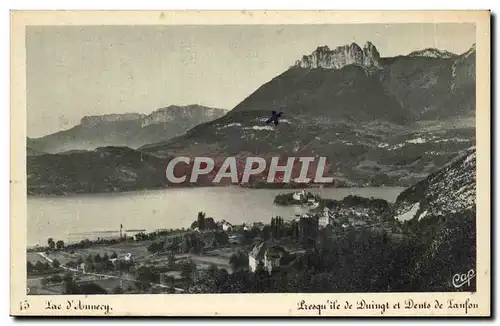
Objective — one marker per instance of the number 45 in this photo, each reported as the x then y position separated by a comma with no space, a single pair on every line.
24,305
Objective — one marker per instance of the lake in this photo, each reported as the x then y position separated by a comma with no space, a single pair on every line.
73,218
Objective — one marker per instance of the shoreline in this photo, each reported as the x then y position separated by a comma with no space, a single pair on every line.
124,192
109,235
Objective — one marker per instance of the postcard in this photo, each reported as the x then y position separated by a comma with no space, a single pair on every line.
250,163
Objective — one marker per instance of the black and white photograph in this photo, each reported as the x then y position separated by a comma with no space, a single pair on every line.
185,159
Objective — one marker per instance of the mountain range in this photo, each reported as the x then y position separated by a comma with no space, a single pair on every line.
380,121
130,129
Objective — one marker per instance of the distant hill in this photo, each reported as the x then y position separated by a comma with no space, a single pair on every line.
130,129
105,169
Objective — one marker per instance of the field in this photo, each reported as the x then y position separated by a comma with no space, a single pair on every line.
34,257
110,279
138,250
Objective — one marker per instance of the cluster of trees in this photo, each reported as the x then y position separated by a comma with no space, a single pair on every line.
239,261
190,242
38,268
367,261
201,220
142,236
98,263
156,247
71,287
378,208
277,227
42,268
377,204
220,281
82,244
148,276
55,245
287,199
204,223
86,243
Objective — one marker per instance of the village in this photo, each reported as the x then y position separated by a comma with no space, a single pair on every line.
172,261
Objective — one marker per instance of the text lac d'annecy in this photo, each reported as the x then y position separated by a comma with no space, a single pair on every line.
241,173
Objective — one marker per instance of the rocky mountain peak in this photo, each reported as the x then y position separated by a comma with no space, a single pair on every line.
324,57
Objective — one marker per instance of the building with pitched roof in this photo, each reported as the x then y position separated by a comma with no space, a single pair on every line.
269,256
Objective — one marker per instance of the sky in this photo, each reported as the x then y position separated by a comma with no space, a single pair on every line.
76,71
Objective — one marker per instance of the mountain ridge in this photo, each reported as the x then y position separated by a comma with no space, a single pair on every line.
433,53
127,129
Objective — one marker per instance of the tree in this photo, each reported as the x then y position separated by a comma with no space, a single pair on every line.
234,262
56,263
97,258
238,261
60,244
51,243
90,259
156,247
170,260
56,278
70,286
209,223
187,269
221,277
118,290
40,267
89,267
260,267
44,281
221,237
173,245
212,271
91,288
155,290
201,220
267,232
260,278
185,243
147,275
29,267
167,280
